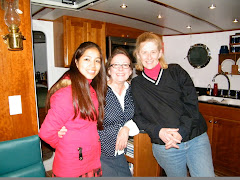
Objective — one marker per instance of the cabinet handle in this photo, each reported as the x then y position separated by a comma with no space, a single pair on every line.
215,122
210,121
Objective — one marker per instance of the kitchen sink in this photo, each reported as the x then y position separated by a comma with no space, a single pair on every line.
219,100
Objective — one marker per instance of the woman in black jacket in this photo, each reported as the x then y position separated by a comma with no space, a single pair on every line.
166,107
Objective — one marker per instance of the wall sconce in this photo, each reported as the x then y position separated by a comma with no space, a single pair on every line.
14,39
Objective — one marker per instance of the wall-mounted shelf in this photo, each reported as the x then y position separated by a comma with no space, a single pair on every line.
235,57
234,54
234,45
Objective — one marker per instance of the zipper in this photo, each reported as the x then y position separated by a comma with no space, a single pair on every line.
80,154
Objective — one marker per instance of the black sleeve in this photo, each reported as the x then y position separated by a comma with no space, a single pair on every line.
151,128
190,102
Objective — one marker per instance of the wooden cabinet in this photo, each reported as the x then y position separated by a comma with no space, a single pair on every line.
116,30
234,57
226,155
224,134
144,163
209,121
122,31
70,32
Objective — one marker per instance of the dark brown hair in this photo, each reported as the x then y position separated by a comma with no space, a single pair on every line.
116,51
82,101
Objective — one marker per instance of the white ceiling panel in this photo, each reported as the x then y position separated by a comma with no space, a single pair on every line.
142,14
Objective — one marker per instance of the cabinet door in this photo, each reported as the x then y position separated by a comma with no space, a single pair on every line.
75,33
225,146
70,32
96,33
209,120
79,30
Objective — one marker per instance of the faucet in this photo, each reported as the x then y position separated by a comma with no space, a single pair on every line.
236,94
210,89
213,80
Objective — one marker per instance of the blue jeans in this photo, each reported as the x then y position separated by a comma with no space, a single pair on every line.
195,154
115,166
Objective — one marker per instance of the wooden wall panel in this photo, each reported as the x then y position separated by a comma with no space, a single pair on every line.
116,30
17,78
122,31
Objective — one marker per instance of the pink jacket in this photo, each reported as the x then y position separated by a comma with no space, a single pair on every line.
80,133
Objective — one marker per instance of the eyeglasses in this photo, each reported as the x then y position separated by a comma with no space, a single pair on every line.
117,66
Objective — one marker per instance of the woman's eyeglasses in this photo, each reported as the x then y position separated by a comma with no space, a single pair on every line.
117,66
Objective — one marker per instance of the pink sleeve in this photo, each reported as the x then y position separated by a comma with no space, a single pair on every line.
60,112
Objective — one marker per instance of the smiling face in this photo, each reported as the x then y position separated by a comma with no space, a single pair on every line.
89,63
149,54
120,74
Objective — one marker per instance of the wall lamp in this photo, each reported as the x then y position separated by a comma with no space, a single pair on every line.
14,39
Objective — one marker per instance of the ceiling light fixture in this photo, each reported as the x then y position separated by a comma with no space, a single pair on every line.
235,20
159,16
123,6
213,6
189,27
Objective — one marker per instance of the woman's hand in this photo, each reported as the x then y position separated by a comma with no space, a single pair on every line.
170,137
62,132
171,144
122,138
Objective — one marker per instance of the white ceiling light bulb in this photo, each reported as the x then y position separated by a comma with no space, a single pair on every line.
123,6
159,16
235,20
213,6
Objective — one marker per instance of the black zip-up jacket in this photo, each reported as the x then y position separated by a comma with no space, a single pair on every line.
168,102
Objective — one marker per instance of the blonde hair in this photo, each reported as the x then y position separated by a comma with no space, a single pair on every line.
148,37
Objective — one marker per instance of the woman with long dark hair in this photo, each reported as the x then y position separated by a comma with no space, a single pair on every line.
76,101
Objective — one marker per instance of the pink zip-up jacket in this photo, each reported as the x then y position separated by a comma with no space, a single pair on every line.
81,134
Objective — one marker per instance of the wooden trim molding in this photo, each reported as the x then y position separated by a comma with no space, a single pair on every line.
183,12
140,20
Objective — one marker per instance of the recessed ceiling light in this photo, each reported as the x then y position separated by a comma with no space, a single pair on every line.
235,20
123,6
159,16
189,27
213,6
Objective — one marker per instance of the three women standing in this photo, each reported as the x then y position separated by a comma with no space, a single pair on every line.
166,107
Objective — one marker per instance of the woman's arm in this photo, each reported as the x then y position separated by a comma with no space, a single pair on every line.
129,129
122,138
190,102
60,111
133,129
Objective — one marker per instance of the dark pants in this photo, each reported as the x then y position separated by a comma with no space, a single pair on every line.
115,166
